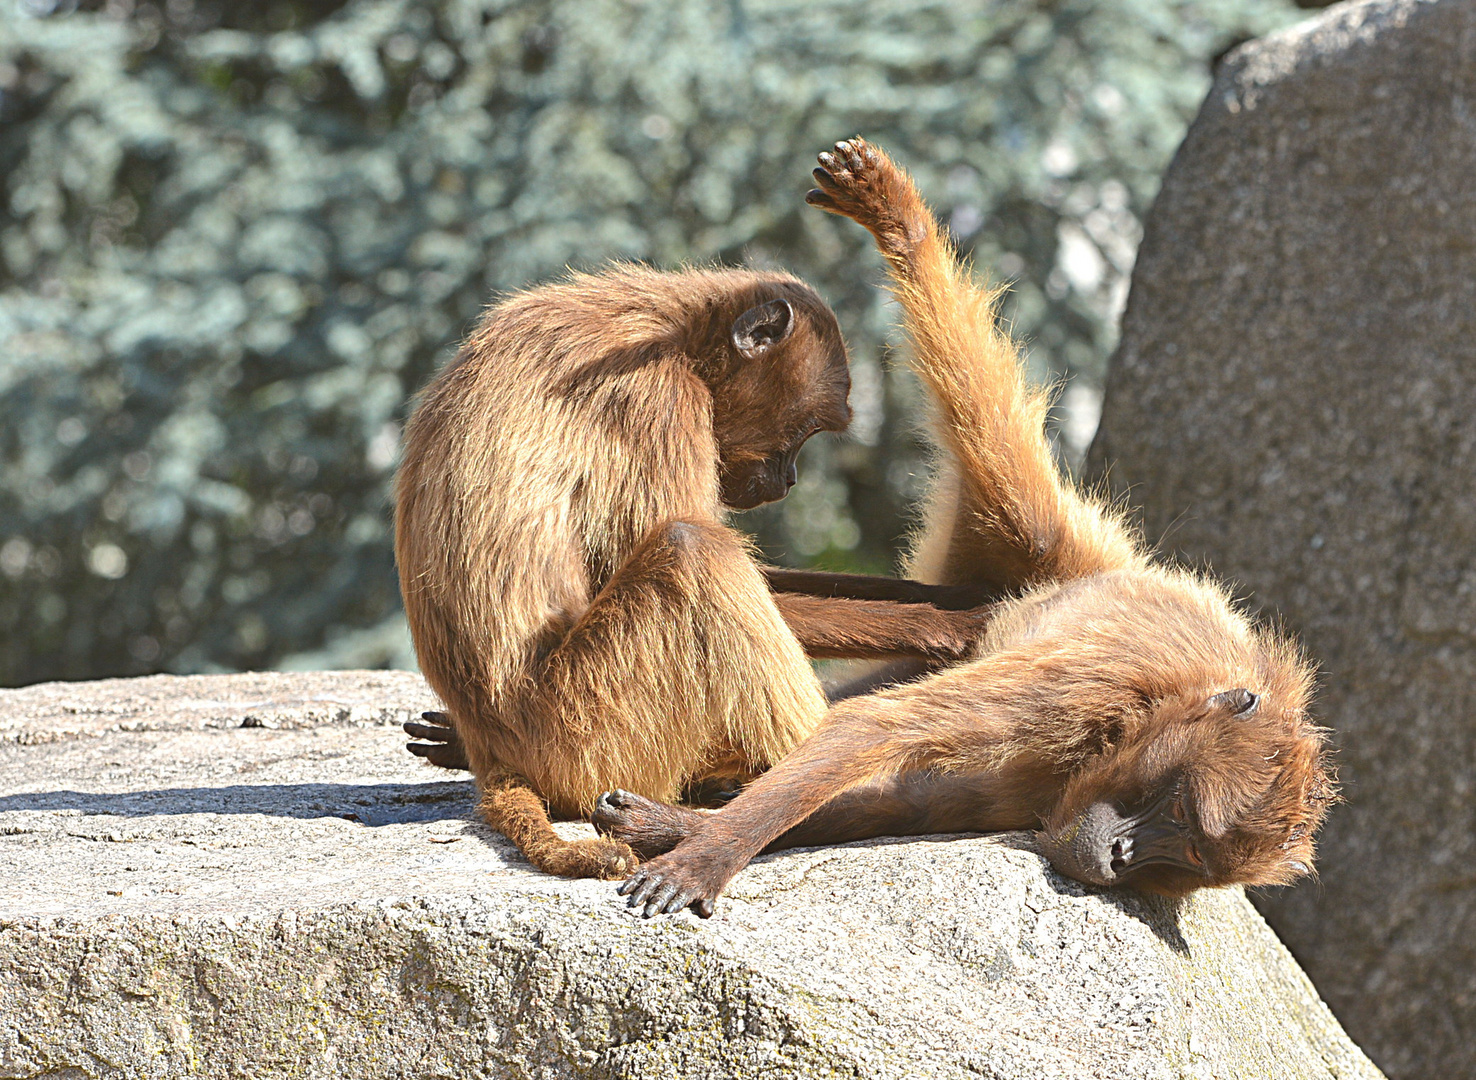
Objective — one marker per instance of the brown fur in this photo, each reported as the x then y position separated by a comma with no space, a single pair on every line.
574,595
1108,682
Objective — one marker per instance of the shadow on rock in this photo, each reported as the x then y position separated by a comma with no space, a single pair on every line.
370,804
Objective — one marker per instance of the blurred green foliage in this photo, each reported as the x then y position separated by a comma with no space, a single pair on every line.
236,237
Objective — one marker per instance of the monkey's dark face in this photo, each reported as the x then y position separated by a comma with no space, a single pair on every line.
787,376
1226,790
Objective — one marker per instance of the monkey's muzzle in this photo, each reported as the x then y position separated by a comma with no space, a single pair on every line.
1105,845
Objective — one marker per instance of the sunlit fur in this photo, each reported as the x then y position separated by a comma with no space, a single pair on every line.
1094,683
1122,653
574,595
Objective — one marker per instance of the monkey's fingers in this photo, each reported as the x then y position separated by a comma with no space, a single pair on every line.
433,732
442,746
852,179
442,754
649,828
665,886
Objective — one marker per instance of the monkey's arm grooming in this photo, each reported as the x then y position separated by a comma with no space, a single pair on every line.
835,617
870,587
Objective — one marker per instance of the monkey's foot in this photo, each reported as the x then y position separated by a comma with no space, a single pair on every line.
441,745
692,875
650,828
600,857
859,181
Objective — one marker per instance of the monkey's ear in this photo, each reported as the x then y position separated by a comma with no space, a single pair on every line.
760,328
1237,702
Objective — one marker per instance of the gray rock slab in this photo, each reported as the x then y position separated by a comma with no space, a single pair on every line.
1294,403
248,876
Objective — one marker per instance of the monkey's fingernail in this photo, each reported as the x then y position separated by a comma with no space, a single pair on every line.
662,900
704,909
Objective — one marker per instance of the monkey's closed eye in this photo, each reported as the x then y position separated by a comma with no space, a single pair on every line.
1237,702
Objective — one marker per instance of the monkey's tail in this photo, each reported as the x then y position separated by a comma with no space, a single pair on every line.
1015,511
511,806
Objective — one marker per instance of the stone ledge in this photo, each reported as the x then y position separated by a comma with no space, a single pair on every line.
184,895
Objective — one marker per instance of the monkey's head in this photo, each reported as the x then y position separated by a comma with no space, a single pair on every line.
1216,787
781,375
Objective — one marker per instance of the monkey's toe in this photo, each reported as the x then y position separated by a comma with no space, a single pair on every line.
616,799
601,858
608,859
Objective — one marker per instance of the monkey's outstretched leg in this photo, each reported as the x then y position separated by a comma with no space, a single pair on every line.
963,720
910,804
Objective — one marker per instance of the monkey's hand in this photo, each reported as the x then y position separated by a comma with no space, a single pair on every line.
650,828
691,875
859,181
968,627
442,746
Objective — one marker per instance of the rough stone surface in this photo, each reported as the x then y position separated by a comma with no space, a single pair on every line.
247,875
1293,403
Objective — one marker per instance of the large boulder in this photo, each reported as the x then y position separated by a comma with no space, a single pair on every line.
1294,403
247,875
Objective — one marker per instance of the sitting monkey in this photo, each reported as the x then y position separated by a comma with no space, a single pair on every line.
575,595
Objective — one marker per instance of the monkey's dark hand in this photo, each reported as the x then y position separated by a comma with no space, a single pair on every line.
960,632
860,182
442,746
688,876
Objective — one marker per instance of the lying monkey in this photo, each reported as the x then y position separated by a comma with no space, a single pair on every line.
1126,709
574,594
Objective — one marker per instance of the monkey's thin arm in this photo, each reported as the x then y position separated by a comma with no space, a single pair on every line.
827,629
836,628
869,587
944,721
910,804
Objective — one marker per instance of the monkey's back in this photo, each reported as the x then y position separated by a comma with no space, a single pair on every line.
530,473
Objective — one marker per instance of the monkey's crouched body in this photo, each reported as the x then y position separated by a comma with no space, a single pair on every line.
1154,734
574,596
